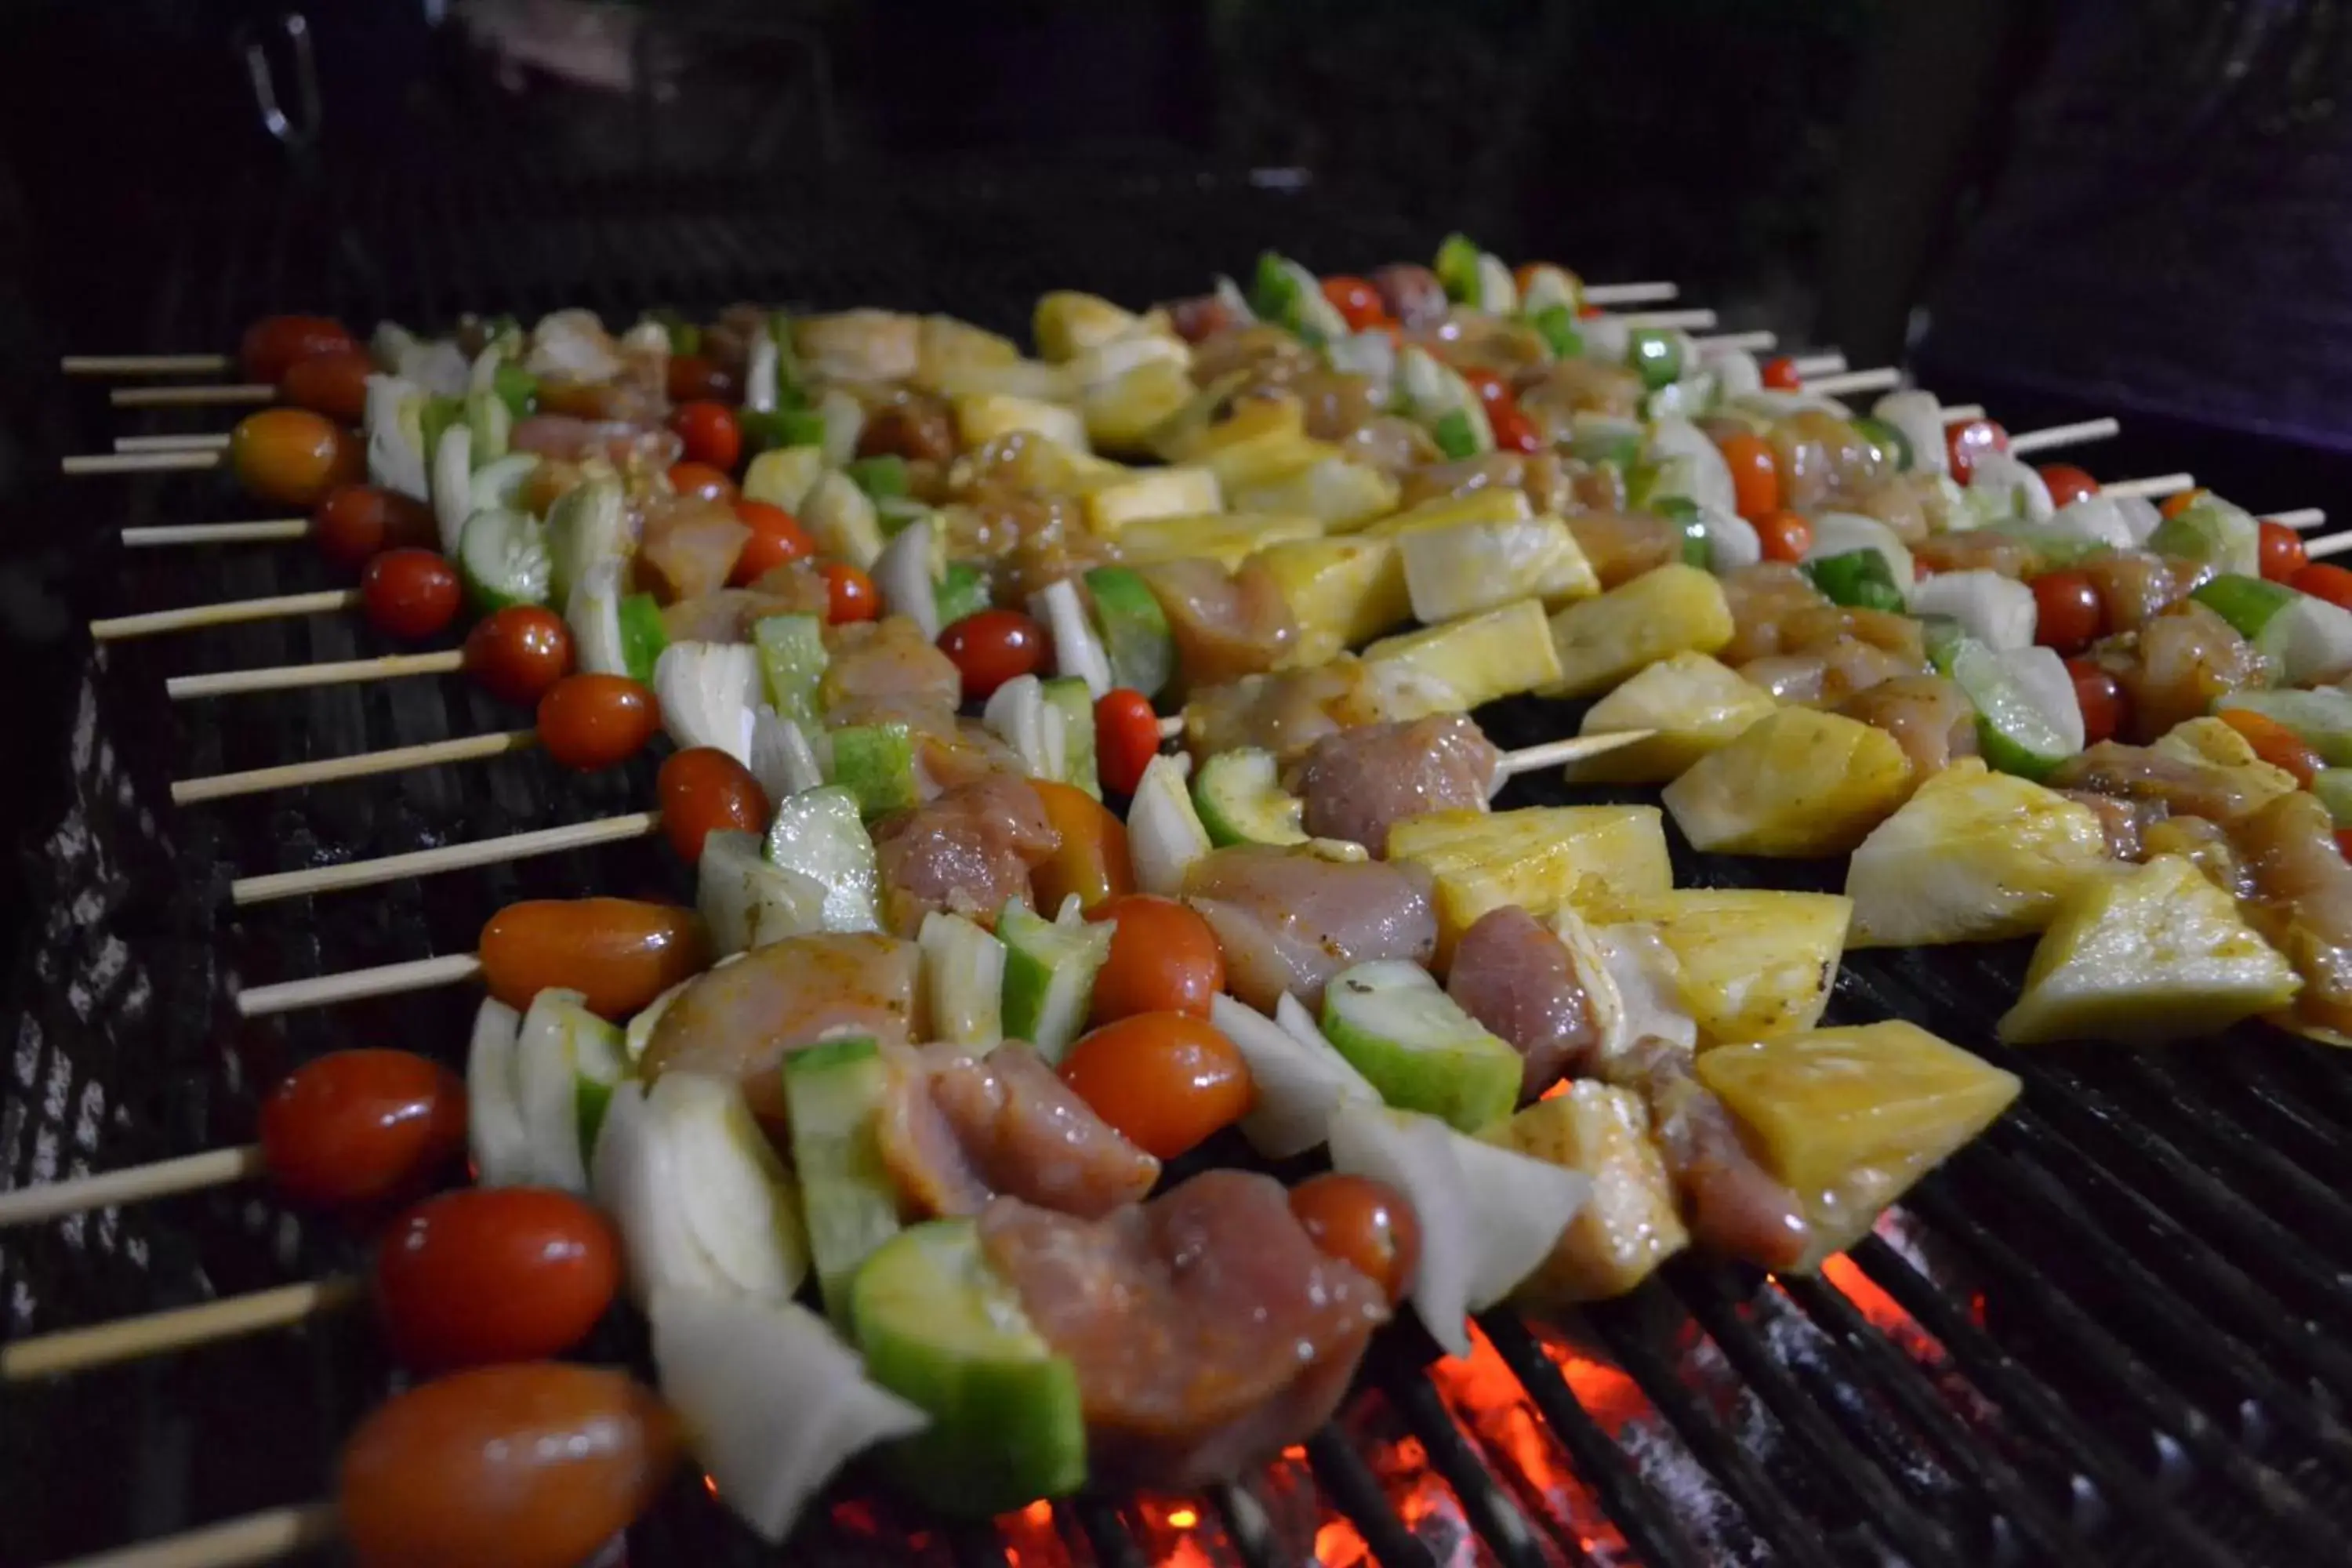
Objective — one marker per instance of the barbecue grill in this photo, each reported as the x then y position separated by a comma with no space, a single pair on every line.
2108,1331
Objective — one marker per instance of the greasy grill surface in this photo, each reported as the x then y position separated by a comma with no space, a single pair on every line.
2109,1331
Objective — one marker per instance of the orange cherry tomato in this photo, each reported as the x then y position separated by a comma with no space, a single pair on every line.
275,342
1163,959
410,593
334,384
293,456
2067,484
777,539
710,433
1780,372
1167,1080
1755,474
357,1127
703,790
1092,859
2182,501
2069,614
1358,302
1362,1223
2323,581
1514,431
516,653
592,721
1965,443
1127,737
536,1464
1587,311
2282,555
2101,698
992,646
1492,386
701,479
694,379
355,522
850,595
1785,535
2275,744
492,1274
619,953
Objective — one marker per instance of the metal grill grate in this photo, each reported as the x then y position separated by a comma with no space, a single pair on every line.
2106,1333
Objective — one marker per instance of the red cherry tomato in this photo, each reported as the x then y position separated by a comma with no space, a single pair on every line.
592,721
410,593
1358,302
2275,744
777,538
1785,535
1780,373
620,954
1127,737
2067,484
334,384
694,379
701,479
710,433
493,1274
1490,386
2101,698
1163,959
1363,1223
355,522
1963,443
1514,431
293,456
357,1127
993,647
275,342
2323,580
703,790
2069,614
1167,1080
1755,475
850,595
538,1465
516,653
2344,842
2282,555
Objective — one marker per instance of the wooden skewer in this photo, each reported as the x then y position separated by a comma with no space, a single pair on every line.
335,672
191,396
1829,364
140,462
1630,293
2149,488
189,441
263,1537
2301,519
2064,436
155,1333
1962,413
1560,753
230,613
1701,321
143,364
2334,544
271,528
446,857
1746,343
327,769
1884,378
104,1189
357,985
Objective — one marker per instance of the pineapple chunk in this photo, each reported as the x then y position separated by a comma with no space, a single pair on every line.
1121,414
2213,743
1022,379
1066,323
982,417
1694,705
1462,568
1675,609
1227,538
1973,855
842,519
784,476
1849,1118
1464,664
1263,441
2154,954
1341,592
1796,782
1753,963
1151,493
1268,463
1631,1224
1543,858
1491,503
945,347
1343,494
1105,363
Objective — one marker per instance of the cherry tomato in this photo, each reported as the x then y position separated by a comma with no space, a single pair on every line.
492,1274
275,342
710,433
1127,737
1514,431
1589,310
2282,555
694,379
592,721
1167,1080
2323,581
991,648
537,1465
355,522
2101,698
516,653
357,1127
1163,959
2067,484
293,456
1780,372
777,539
2069,614
334,384
1363,1223
703,790
619,953
701,479
410,593
850,595
1755,475
2274,742
2344,842
1785,535
1092,859
1358,302
2180,500
1966,442
1492,386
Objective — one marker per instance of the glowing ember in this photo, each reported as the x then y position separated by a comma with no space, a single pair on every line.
1880,1308
1030,1540
1182,1518
1483,1394
1337,1545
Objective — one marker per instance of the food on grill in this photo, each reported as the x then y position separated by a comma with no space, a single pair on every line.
1631,1222
1747,963
1797,782
360,1126
619,953
1541,858
485,1275
1290,920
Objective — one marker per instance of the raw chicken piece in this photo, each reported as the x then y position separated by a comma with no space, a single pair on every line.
1290,920
957,1131
967,852
1359,780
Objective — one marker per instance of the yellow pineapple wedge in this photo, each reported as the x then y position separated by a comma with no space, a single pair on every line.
1850,1118
1754,963
1603,641
1973,855
2210,741
1491,504
1541,857
1693,704
1462,568
1630,1225
1228,538
983,416
1345,495
1464,664
1121,414
1342,591
944,346
1129,497
1796,782
2142,956
1066,323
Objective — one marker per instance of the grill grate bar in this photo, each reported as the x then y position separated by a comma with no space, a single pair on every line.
1484,1500
1354,1491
